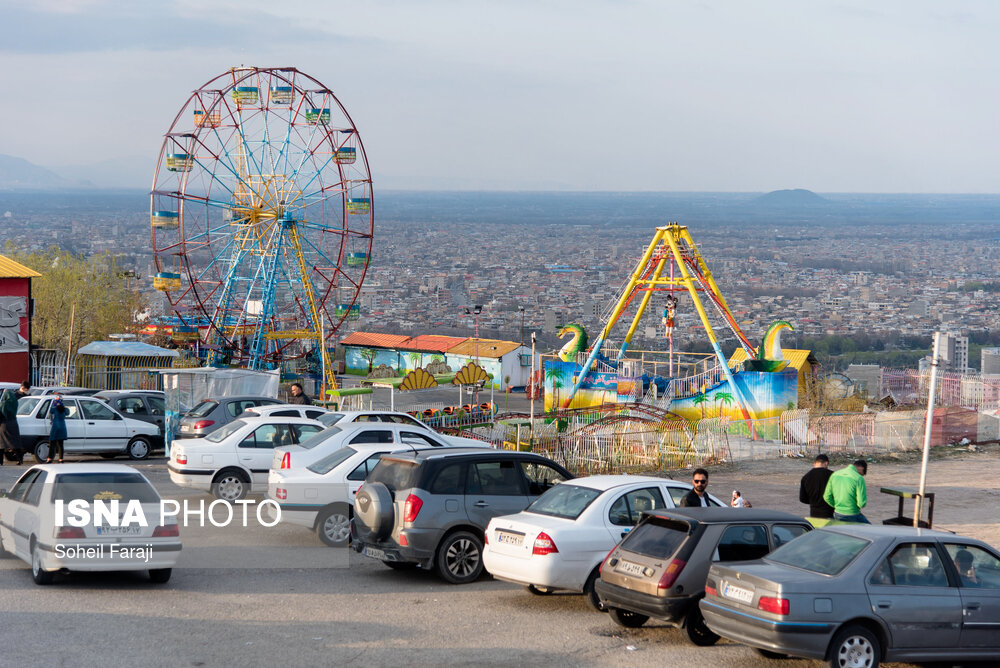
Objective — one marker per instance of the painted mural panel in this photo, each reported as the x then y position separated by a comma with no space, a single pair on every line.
768,395
356,359
596,389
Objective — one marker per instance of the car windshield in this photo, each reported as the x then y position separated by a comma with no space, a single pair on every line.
656,537
330,419
225,431
104,486
825,552
203,409
319,437
26,405
332,460
566,501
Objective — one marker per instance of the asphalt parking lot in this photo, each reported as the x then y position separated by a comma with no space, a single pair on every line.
361,614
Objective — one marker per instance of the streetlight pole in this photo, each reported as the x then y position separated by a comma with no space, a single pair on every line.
521,309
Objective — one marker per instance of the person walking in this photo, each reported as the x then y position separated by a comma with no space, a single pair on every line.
698,496
57,433
298,396
10,434
846,492
813,486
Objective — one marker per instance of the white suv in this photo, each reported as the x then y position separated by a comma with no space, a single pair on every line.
233,460
318,493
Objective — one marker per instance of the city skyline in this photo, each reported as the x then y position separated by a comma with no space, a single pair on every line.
598,95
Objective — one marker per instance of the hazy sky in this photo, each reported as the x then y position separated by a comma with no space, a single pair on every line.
863,96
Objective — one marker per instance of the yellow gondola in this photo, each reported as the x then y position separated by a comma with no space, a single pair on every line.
203,118
346,155
180,162
166,281
281,94
246,95
359,205
165,220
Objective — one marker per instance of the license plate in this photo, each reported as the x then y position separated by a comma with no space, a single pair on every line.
509,538
737,593
630,568
118,531
374,553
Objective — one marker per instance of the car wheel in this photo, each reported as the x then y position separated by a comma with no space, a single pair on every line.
460,558
591,594
768,654
39,574
230,486
855,647
539,591
333,526
401,565
159,575
138,448
697,631
627,618
41,452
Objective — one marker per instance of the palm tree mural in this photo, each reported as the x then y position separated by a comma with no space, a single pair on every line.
556,374
725,397
414,360
700,400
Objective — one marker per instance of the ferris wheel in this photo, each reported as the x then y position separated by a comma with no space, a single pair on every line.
262,216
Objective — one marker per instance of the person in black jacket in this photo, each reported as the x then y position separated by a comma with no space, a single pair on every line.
698,496
814,484
298,396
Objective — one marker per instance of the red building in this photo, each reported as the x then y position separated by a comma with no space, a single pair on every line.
15,321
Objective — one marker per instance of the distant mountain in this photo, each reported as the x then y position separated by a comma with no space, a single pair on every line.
19,174
794,197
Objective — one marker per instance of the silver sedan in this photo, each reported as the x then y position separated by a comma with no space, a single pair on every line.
858,595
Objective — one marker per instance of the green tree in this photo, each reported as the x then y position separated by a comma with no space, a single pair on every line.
700,400
725,397
369,356
556,373
414,360
95,290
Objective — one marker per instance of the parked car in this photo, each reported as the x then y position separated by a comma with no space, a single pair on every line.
92,427
343,417
144,405
233,461
286,410
430,508
344,433
66,390
857,595
29,531
659,569
211,414
560,540
320,494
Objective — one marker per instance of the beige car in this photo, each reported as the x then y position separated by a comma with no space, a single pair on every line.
659,569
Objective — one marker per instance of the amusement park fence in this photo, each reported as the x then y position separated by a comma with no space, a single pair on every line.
623,445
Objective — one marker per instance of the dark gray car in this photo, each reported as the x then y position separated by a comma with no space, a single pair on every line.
659,568
145,405
210,414
431,508
856,595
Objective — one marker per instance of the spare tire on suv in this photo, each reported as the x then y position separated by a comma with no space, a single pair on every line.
373,506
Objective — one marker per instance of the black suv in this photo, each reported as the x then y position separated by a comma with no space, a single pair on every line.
431,508
659,569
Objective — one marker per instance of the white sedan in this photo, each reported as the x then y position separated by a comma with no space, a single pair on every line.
560,540
391,434
50,519
233,460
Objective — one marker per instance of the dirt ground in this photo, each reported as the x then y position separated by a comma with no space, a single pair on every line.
966,485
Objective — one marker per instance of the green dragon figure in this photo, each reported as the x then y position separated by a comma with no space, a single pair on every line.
769,355
575,345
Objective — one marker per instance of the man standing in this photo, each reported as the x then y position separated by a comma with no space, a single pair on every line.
298,396
846,492
698,496
813,486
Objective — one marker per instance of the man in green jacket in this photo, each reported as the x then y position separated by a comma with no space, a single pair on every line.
846,492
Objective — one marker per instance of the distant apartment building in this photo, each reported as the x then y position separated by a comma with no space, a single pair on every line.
954,351
990,361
